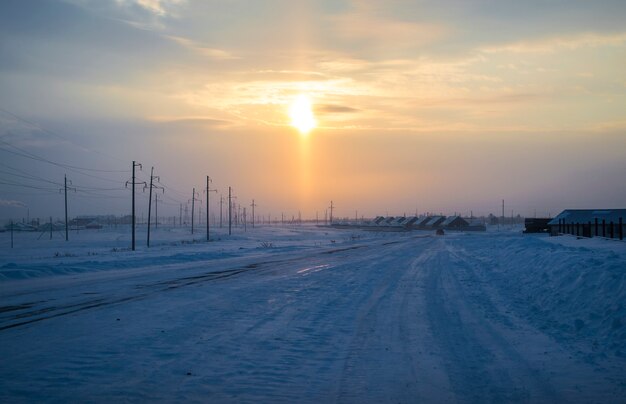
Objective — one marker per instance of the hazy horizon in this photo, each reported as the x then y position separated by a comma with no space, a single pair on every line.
418,105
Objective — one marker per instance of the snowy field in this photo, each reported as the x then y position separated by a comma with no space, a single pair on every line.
307,314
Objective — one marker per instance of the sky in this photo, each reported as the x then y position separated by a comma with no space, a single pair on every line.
420,106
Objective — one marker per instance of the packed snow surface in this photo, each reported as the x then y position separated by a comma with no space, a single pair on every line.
309,314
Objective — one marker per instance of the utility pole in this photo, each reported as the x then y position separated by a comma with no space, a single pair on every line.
66,221
193,202
208,189
67,237
230,220
11,233
245,227
152,179
180,216
253,206
156,210
221,203
133,184
331,212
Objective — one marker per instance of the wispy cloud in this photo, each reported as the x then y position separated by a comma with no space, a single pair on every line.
330,108
195,121
12,203
157,7
213,53
364,25
552,44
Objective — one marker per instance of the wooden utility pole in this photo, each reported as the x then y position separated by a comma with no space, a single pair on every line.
150,205
133,184
193,204
66,218
230,221
221,203
331,212
208,190
156,199
133,219
67,237
253,206
156,211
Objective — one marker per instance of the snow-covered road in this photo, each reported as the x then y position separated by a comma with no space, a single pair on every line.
401,318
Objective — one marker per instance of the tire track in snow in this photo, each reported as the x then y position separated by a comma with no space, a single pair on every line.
380,365
28,313
482,365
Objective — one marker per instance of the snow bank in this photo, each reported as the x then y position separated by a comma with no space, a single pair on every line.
571,289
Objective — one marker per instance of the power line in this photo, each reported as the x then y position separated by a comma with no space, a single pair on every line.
50,132
27,186
27,154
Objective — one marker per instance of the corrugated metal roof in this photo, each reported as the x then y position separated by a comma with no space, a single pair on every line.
435,220
451,219
421,221
589,215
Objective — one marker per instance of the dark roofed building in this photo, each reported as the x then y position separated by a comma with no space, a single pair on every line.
420,222
410,220
435,222
590,222
454,222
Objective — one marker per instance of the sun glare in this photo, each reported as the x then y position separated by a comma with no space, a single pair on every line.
301,114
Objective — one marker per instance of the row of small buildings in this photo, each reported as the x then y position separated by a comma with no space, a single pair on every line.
404,223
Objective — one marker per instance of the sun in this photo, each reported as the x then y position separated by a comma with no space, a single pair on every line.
301,114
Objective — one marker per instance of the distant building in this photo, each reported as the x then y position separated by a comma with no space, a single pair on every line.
454,222
379,220
410,221
400,220
434,222
421,222
537,225
590,223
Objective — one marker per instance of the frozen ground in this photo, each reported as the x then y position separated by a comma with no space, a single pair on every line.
313,315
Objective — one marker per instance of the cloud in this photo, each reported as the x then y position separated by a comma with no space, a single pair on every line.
157,7
379,33
12,203
195,121
548,45
330,108
213,53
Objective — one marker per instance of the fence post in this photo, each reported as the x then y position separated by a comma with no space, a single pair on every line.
596,222
577,229
589,226
603,228
612,230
